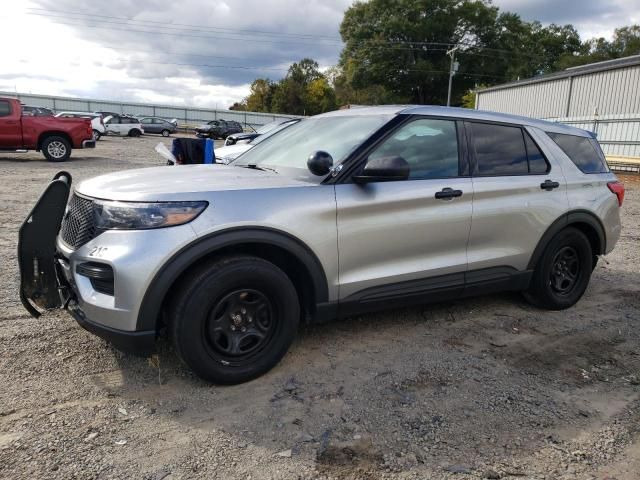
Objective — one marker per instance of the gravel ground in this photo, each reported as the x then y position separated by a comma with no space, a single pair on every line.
478,388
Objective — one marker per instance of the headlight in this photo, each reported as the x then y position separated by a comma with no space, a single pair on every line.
138,216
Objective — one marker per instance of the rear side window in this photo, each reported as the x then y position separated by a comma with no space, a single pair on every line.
5,108
505,150
500,150
584,152
537,162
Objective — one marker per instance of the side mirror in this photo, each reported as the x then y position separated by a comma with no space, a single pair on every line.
384,169
319,163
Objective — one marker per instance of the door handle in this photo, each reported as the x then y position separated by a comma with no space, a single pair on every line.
12,122
549,185
448,194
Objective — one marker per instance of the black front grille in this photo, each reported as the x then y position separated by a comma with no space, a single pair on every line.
78,224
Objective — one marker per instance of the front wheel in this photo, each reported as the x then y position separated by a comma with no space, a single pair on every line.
134,132
96,135
56,149
165,133
234,319
562,274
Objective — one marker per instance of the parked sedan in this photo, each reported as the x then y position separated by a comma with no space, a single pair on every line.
158,125
218,129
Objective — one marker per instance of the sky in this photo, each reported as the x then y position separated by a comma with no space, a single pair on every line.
180,52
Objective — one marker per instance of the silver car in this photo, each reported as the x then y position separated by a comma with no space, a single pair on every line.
340,214
158,125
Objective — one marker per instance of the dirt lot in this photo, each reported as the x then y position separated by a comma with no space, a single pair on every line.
479,388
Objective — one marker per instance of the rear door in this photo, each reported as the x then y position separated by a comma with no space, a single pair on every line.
518,193
404,238
149,125
10,127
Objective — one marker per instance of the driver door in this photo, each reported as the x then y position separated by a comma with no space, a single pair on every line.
406,239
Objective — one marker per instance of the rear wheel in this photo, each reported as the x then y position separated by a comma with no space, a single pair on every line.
96,135
234,319
562,274
56,149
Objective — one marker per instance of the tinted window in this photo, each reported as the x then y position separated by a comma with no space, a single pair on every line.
429,146
114,120
5,109
147,121
537,162
583,151
500,150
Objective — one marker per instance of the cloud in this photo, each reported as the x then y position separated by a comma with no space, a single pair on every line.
203,53
592,18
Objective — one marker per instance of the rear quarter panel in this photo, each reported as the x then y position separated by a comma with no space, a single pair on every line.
589,192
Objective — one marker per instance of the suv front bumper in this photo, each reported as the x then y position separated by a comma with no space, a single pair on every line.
51,277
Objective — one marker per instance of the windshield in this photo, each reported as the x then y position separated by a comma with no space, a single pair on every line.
269,126
271,133
338,136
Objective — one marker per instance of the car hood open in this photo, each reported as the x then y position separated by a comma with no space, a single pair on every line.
181,182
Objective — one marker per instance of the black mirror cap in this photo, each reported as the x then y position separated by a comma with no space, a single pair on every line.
319,163
384,169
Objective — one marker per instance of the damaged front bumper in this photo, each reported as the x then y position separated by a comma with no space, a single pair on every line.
46,277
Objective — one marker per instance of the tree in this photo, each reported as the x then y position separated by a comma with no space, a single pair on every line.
402,46
240,106
261,95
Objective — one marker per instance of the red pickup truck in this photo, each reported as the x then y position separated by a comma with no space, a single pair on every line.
54,137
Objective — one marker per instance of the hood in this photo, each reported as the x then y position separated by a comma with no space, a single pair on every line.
232,151
182,182
244,135
204,126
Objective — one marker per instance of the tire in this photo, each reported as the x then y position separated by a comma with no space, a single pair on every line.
165,133
56,149
134,132
563,272
234,319
96,135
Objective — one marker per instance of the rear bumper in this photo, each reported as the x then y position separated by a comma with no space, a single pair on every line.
89,143
140,343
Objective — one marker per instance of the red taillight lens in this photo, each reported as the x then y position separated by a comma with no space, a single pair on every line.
618,189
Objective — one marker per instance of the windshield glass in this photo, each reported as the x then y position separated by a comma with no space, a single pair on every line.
268,127
338,136
271,133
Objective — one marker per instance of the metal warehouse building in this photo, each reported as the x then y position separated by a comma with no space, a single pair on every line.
602,97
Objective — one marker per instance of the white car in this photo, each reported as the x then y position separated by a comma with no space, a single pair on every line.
229,153
123,125
96,121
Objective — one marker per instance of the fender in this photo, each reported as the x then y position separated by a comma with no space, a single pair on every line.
201,247
567,219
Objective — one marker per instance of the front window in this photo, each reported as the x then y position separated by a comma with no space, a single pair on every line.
338,136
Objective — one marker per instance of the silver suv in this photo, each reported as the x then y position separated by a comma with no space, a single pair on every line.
342,213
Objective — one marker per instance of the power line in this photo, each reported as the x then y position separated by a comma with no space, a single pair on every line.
179,33
197,27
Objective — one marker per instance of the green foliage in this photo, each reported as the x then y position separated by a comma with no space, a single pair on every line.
395,51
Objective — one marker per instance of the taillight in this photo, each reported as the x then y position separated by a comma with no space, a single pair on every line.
618,189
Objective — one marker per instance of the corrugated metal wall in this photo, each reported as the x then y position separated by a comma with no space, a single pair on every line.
606,102
547,99
602,93
187,115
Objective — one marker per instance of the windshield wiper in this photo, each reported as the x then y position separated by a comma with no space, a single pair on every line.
254,166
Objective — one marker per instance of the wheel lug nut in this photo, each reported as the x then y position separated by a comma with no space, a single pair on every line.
243,329
243,311
233,328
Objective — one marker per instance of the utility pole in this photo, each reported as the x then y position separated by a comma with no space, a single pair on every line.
452,70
